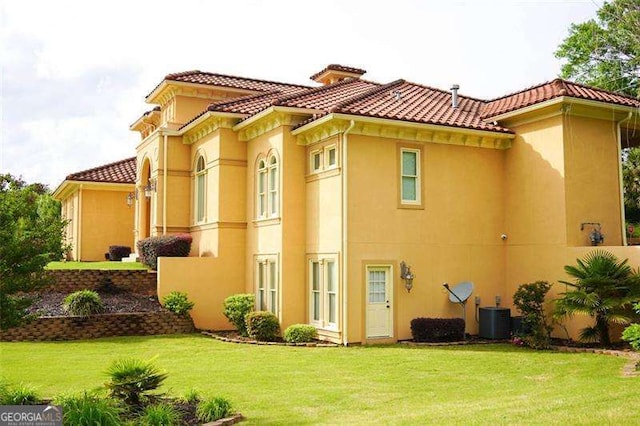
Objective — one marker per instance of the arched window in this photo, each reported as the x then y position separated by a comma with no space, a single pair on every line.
273,186
262,190
200,189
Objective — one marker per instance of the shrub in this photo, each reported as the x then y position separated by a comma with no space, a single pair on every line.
151,248
236,308
263,326
529,299
437,329
116,253
17,395
300,333
631,334
213,409
83,303
192,396
160,415
132,380
87,410
177,302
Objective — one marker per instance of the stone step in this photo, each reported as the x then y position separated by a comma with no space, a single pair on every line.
133,257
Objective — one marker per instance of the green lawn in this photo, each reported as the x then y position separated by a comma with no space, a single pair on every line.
483,384
96,265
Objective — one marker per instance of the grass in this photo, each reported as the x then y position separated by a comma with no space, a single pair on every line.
97,265
483,384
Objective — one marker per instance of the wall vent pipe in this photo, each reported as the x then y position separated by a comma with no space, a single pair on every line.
454,96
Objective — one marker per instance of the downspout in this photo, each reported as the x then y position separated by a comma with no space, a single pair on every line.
621,182
164,185
345,340
79,224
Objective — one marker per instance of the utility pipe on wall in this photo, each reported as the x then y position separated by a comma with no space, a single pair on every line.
345,340
164,185
621,183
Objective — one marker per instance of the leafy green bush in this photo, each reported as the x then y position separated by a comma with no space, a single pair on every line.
529,299
160,415
213,409
88,410
17,394
192,396
631,334
300,333
83,303
152,248
236,308
178,303
263,326
132,380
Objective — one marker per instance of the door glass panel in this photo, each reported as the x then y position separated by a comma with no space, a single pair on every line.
377,287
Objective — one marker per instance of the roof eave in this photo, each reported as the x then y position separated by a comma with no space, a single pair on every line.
270,110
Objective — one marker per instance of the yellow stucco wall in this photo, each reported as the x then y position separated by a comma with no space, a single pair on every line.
105,220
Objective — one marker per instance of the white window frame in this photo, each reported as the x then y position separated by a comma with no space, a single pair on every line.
327,157
417,177
267,284
316,166
273,183
261,189
323,296
200,180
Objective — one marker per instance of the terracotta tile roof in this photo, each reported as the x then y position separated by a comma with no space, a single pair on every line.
550,90
123,171
337,67
255,103
406,101
213,79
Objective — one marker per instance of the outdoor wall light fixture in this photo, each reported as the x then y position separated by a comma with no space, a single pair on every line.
150,188
131,197
407,276
595,236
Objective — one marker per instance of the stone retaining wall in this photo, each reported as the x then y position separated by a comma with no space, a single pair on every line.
103,325
136,281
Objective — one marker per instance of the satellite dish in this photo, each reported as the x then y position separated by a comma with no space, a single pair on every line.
461,292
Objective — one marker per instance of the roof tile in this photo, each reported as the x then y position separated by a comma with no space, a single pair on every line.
123,171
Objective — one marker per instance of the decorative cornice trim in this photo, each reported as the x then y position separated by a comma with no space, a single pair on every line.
207,125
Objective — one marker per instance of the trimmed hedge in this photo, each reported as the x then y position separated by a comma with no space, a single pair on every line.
437,329
263,326
151,248
300,333
116,253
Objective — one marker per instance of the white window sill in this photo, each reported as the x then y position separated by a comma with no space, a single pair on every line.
267,221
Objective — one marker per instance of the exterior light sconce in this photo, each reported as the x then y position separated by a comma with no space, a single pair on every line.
595,236
407,276
150,188
131,197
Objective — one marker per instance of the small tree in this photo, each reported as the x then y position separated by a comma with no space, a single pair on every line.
32,235
529,299
605,289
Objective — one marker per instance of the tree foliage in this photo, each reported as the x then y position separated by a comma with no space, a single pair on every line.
31,232
604,289
605,51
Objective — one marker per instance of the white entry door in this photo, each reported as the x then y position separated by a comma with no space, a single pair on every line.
379,302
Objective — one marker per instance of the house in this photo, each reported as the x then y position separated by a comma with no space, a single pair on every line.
312,197
98,206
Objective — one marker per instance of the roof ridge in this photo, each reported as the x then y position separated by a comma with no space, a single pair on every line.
172,76
104,166
446,92
586,86
226,102
290,96
375,90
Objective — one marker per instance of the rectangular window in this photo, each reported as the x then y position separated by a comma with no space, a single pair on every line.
267,284
273,191
200,197
316,161
262,197
330,156
410,176
323,289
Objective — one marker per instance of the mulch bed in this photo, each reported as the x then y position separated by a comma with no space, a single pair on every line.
49,304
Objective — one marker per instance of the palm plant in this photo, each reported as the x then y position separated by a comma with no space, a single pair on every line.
605,289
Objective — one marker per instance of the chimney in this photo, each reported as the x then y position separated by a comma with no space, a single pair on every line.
454,96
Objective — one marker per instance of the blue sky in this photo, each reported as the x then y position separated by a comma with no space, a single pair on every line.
74,73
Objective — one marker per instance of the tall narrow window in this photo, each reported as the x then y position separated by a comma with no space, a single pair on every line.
262,189
273,186
267,284
323,293
410,176
200,189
